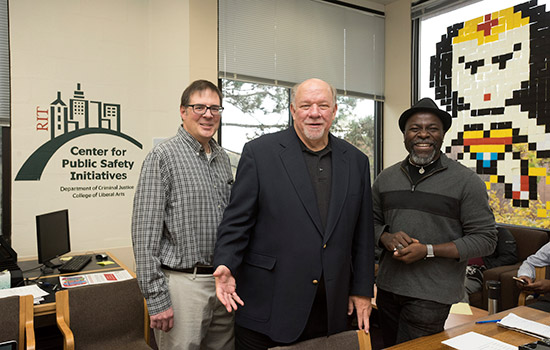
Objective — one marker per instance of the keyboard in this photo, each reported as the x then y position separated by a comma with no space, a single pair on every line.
76,264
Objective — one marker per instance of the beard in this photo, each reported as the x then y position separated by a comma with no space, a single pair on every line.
314,134
419,160
422,159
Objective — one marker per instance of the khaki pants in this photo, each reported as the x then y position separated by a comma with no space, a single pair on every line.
201,322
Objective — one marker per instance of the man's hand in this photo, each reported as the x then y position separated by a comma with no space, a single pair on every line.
363,307
540,287
526,279
414,252
396,241
163,321
225,288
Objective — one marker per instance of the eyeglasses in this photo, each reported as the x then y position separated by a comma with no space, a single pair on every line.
201,109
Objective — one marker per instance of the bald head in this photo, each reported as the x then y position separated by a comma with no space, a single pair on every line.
313,108
309,84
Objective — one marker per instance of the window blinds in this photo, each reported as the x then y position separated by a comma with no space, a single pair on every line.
287,41
4,65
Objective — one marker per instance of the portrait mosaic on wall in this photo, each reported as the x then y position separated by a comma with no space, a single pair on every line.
492,74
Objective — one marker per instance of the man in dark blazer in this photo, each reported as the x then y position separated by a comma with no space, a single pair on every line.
295,245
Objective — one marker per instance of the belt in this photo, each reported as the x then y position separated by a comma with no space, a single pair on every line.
199,270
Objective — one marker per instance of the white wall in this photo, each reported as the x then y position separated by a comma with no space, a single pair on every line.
136,53
397,78
141,54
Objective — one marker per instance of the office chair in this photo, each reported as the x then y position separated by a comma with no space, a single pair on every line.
349,340
540,274
103,316
16,321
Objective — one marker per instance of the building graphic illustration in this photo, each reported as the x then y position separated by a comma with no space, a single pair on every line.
71,119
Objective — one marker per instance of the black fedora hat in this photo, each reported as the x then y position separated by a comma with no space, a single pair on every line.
425,105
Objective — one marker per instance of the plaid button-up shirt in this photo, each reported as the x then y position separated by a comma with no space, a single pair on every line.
179,202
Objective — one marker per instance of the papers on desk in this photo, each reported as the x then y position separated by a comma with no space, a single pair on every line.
476,341
532,328
94,278
37,293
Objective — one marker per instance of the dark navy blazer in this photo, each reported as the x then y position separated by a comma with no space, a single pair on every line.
272,239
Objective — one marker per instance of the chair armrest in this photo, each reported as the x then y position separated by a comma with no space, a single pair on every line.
28,302
495,274
364,340
146,323
523,298
63,320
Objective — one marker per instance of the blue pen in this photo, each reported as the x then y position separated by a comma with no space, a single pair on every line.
488,321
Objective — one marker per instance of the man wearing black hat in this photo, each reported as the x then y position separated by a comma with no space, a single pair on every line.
431,215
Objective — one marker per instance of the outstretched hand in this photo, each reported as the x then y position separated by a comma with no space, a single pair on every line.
226,288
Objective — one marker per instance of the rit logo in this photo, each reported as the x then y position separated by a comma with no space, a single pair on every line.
41,119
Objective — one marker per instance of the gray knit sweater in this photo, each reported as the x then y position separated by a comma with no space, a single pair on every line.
447,205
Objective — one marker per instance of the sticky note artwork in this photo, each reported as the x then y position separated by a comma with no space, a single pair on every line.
492,74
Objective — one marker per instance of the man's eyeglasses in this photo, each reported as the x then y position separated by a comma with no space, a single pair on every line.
201,109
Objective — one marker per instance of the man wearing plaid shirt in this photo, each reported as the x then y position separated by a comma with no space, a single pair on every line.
183,189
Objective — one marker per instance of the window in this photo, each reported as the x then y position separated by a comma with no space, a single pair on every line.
251,110
254,109
355,123
266,46
288,41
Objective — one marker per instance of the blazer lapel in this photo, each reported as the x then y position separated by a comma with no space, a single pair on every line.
339,188
295,166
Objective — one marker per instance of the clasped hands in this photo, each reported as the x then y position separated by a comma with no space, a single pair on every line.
404,248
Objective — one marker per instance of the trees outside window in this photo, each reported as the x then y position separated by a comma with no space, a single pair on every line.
254,109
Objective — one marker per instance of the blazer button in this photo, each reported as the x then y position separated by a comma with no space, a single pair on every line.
315,281
324,246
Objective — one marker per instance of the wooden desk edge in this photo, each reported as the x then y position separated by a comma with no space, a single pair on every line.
509,336
49,308
121,264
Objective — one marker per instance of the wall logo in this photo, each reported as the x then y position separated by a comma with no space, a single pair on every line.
66,122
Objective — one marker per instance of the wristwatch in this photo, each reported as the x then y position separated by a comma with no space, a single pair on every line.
430,250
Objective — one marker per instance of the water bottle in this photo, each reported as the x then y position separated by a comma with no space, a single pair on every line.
493,294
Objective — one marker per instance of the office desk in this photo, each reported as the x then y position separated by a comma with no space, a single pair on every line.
47,306
433,342
454,320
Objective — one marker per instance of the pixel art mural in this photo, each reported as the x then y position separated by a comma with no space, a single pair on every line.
492,73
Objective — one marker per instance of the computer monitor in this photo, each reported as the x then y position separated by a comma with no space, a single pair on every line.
8,345
52,233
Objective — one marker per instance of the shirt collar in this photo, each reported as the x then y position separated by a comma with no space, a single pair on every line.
320,153
441,162
196,145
